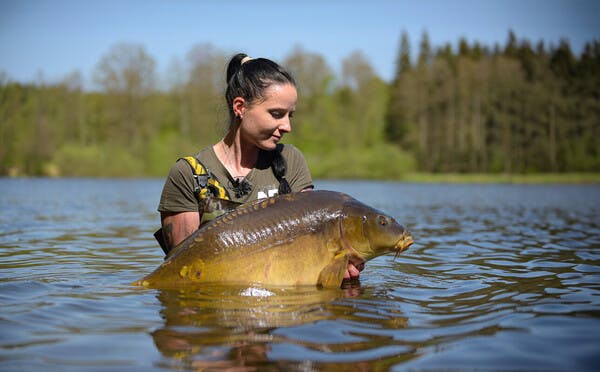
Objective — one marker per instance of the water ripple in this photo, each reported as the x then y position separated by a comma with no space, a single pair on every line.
501,277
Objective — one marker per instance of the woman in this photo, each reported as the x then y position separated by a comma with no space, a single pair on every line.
248,163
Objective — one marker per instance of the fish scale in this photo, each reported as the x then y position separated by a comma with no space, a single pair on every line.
304,238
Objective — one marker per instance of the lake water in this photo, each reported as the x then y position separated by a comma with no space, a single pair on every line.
501,277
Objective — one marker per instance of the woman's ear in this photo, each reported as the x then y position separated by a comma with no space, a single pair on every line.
239,106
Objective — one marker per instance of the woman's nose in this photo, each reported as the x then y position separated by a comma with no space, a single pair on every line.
286,125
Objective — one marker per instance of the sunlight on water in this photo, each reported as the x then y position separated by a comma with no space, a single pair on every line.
501,277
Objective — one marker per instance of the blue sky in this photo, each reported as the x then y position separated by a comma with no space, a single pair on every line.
57,37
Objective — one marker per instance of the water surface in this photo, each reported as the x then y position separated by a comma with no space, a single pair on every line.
502,277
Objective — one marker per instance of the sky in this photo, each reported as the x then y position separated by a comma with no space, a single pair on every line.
53,38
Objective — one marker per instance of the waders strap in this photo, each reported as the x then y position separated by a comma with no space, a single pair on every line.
206,184
213,199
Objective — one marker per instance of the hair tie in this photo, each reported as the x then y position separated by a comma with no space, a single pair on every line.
246,59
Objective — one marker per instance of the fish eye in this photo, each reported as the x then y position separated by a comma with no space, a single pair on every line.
382,220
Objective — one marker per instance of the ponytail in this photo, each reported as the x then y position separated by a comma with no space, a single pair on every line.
279,167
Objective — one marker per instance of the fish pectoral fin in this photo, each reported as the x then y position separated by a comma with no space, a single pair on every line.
333,274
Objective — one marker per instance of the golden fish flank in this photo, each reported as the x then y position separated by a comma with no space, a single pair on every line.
193,272
296,239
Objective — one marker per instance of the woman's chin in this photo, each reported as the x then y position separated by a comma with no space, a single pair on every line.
269,145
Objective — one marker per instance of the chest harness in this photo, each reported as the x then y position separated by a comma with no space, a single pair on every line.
213,199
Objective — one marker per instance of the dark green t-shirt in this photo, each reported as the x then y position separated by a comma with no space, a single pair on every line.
178,192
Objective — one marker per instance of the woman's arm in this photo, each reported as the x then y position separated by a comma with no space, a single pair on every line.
178,226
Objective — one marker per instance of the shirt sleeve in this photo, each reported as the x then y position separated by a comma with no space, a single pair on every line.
297,173
178,191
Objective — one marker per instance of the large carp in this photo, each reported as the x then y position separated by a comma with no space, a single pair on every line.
304,238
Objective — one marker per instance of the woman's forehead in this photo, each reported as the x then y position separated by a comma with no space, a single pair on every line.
281,93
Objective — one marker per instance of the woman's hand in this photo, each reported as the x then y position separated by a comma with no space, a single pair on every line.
353,272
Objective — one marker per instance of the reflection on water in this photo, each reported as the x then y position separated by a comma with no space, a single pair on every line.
500,277
198,324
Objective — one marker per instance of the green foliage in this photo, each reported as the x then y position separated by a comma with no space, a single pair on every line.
163,150
97,161
510,111
513,110
381,162
483,178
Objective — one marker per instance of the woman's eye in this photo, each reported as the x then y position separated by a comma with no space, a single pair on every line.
277,114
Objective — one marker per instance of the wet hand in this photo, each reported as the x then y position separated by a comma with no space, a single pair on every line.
353,272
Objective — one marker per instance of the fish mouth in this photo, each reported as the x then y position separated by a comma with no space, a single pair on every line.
405,241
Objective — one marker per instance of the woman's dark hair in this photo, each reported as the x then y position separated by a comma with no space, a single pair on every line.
279,167
249,77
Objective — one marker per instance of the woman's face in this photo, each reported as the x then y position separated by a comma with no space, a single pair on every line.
265,121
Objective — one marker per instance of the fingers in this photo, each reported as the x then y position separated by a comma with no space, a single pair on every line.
353,272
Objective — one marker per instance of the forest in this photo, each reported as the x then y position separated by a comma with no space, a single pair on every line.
517,108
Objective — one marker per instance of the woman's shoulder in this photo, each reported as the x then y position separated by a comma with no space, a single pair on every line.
290,151
297,173
183,166
207,154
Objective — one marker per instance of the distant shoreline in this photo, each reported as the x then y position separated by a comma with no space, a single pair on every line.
534,178
418,177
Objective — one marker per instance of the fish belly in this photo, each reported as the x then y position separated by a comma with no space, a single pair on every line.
294,263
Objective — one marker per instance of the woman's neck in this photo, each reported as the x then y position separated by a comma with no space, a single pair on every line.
238,157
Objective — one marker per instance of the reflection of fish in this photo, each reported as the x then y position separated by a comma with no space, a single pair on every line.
225,326
240,306
296,239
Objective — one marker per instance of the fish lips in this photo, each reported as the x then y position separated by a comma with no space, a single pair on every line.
405,241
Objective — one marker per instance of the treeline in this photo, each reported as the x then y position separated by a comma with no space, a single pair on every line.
512,109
